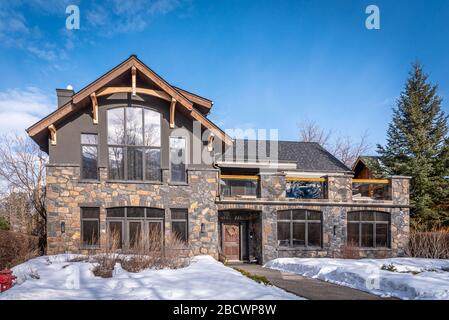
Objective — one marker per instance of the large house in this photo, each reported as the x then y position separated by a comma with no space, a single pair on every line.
131,153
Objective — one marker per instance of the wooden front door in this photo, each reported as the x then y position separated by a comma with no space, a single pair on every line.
231,241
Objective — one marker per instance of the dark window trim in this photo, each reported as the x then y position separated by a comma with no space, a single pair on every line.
306,221
86,246
125,146
186,220
373,222
81,153
185,159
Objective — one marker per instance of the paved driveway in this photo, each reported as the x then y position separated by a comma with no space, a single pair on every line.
308,288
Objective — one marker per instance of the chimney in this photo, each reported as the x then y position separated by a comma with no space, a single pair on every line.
64,96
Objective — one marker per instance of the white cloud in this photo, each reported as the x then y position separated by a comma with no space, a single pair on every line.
21,108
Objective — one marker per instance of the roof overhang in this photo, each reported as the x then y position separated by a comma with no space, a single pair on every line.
82,98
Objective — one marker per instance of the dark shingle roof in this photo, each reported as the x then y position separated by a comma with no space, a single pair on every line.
308,156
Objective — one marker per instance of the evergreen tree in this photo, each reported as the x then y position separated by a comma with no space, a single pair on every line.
418,146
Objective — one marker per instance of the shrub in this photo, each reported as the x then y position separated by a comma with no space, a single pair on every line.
16,248
4,224
105,261
349,251
149,253
429,244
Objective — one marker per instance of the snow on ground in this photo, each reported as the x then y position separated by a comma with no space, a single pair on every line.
410,278
53,277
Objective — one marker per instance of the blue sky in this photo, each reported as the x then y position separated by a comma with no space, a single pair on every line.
265,64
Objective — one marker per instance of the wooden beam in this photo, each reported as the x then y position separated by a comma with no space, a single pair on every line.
172,113
210,142
304,179
93,97
150,92
51,118
196,99
238,177
209,125
380,181
133,78
52,134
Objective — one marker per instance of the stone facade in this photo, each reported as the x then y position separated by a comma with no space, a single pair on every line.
66,194
334,217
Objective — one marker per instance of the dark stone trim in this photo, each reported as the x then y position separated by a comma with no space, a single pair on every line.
326,204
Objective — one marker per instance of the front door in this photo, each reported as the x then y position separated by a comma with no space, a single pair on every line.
231,241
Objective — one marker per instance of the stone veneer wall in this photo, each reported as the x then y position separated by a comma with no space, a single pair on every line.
334,212
66,194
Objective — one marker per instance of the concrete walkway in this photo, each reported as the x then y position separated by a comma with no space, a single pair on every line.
308,288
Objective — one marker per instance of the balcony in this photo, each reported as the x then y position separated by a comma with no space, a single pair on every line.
305,188
368,189
239,186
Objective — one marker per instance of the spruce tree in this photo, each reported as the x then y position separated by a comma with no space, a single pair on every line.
418,146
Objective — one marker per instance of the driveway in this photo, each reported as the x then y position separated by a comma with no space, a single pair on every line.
308,288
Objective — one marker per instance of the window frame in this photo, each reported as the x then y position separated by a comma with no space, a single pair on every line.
125,146
186,221
186,157
144,220
81,153
306,222
373,224
82,219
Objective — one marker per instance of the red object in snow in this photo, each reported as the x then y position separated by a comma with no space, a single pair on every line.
6,279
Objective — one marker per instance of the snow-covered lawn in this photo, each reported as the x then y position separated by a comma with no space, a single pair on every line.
54,277
408,278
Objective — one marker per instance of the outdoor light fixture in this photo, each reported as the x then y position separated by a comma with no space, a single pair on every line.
62,227
203,228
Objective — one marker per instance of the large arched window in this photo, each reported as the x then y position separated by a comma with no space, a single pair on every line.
134,144
369,229
299,228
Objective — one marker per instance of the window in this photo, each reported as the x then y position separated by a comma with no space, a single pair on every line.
369,229
178,159
89,156
90,227
128,226
134,139
299,228
179,223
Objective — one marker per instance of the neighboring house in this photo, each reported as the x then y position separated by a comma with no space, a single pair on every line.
123,157
369,167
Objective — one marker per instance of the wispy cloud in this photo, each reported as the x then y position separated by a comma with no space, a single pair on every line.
107,18
20,108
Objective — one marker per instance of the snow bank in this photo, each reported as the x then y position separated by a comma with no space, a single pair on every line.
410,278
53,277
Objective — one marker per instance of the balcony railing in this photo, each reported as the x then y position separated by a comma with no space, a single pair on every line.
305,188
371,189
239,186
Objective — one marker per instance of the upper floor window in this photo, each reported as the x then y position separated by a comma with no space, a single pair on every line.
369,229
134,140
299,228
89,156
177,159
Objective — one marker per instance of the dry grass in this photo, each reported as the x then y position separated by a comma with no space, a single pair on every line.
105,261
16,248
149,252
429,244
349,251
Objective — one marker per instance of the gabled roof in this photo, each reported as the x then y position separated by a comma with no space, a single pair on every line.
80,98
308,156
374,165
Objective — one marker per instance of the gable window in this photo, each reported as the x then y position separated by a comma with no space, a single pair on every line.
369,229
89,156
134,140
299,228
177,159
179,225
90,227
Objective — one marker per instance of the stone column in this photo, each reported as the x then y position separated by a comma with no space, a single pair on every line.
339,188
272,185
400,217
